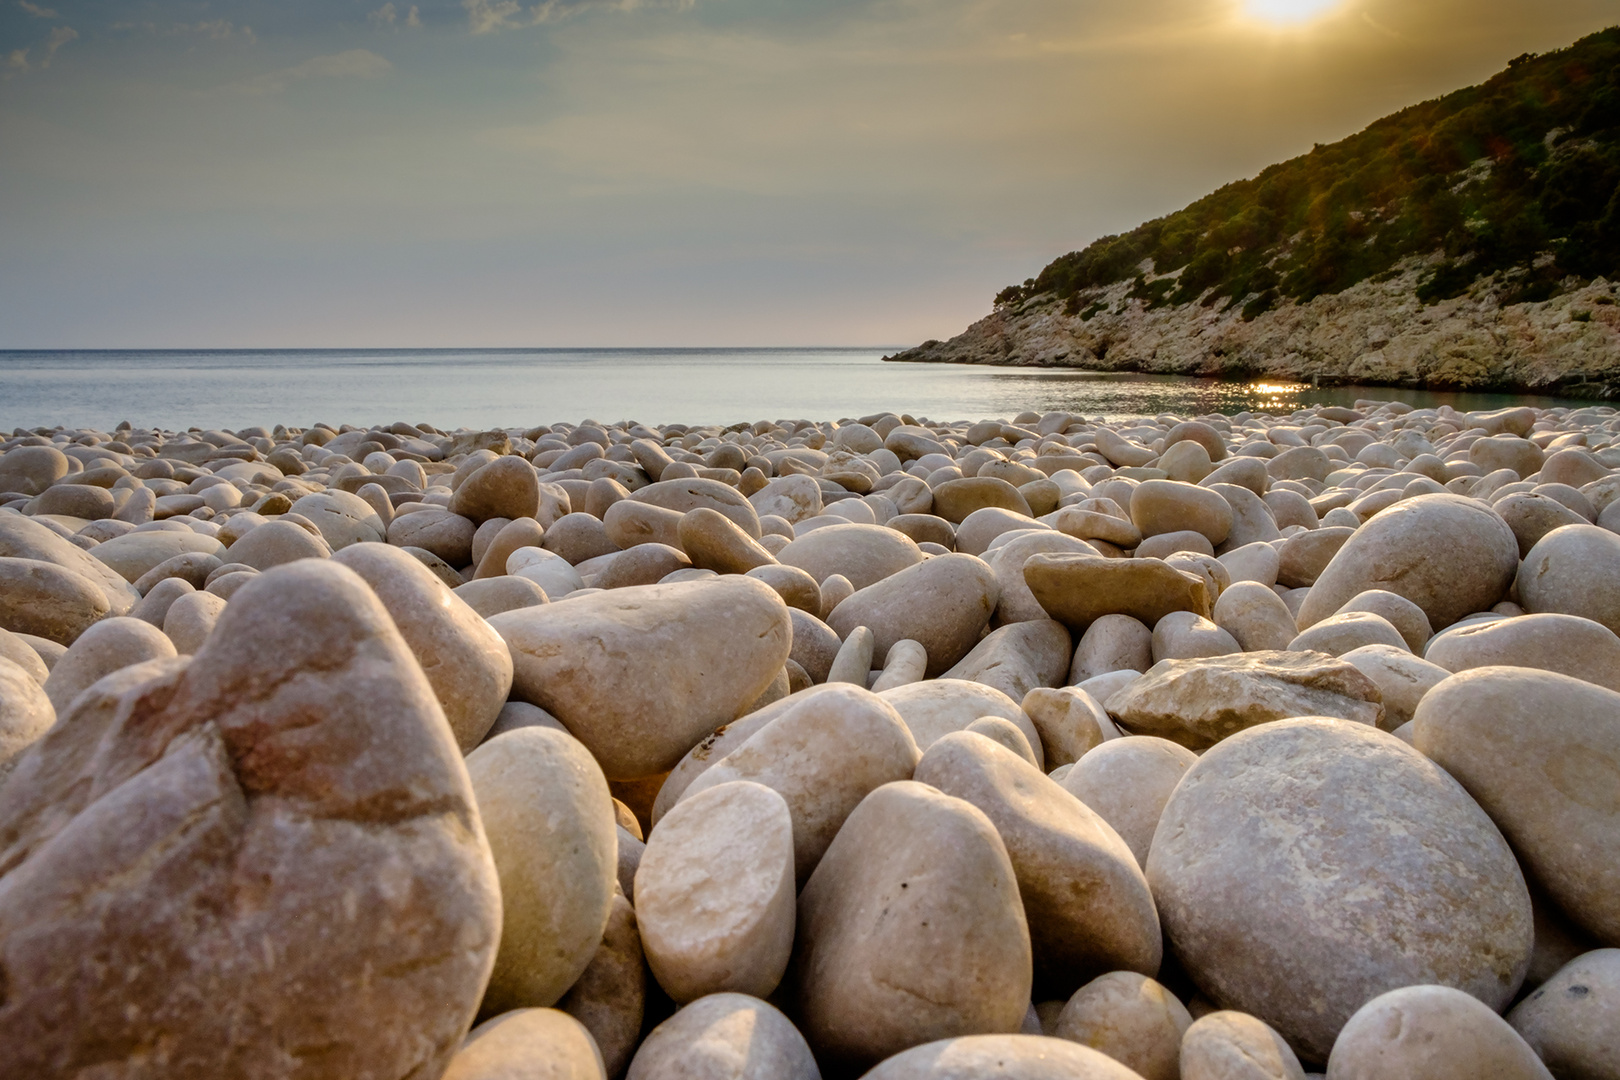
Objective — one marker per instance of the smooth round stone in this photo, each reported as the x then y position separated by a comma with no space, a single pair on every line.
1447,554
1532,516
1400,612
791,498
1005,734
132,555
465,660
301,751
1345,864
1227,1045
553,573
644,564
1112,643
1183,541
1186,461
1001,1057
492,596
1077,590
1071,723
15,647
910,930
1126,782
342,518
1181,635
823,754
528,1044
1566,644
194,567
863,554
512,535
924,528
1085,899
985,529
1253,521
1338,634
1168,506
610,997
29,470
1572,1021
75,500
1539,752
854,659
1304,556
1300,463
26,712
632,672
943,604
715,893
1130,1018
1256,562
101,650
1090,521
275,543
1574,570
1197,703
1256,617
447,535
1402,679
190,620
1018,603
550,823
48,601
725,1037
796,587
628,523
1506,452
688,494
1018,658
937,707
578,538
507,487
954,500
25,538
715,542
1433,1032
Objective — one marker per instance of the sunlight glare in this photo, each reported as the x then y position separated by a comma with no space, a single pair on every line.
1287,12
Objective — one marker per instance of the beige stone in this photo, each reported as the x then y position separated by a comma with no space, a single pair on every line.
725,1037
1532,515
190,620
854,659
48,601
863,554
1574,570
937,707
715,892
907,663
492,596
1018,603
1541,753
1339,634
1001,1057
609,999
547,569
342,518
629,523
1257,562
550,823
1572,1021
515,534
507,487
943,604
273,847
1434,1032
448,536
1256,617
193,566
31,469
715,542
792,498
1402,679
688,494
643,564
1127,781
1308,865
1112,643
1077,590
135,553
1071,723
1004,733
632,672
465,660
823,753
1018,658
23,538
1130,1018
275,543
1227,1045
1182,635
15,647
1447,554
26,712
1197,703
910,930
1401,613
1566,644
1167,506
1304,556
1085,899
101,650
954,500
528,1044
796,587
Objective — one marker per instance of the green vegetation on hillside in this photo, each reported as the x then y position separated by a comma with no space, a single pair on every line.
1519,177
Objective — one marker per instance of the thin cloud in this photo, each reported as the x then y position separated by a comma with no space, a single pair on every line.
18,63
413,20
350,64
215,30
488,16
37,11
387,17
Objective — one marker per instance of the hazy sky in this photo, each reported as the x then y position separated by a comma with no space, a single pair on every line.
649,172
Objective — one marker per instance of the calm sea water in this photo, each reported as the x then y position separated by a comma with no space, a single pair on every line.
524,387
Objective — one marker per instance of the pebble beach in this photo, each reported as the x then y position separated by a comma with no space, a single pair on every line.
1256,746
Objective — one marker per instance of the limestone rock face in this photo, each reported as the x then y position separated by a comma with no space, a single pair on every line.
243,839
550,822
1449,555
1001,1057
910,930
1199,702
641,674
715,893
1541,753
1306,866
1085,899
1434,1032
465,660
725,1037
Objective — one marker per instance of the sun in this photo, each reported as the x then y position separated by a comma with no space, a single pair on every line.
1287,12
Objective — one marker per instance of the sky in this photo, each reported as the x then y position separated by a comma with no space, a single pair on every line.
530,173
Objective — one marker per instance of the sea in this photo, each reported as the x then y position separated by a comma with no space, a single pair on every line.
487,388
